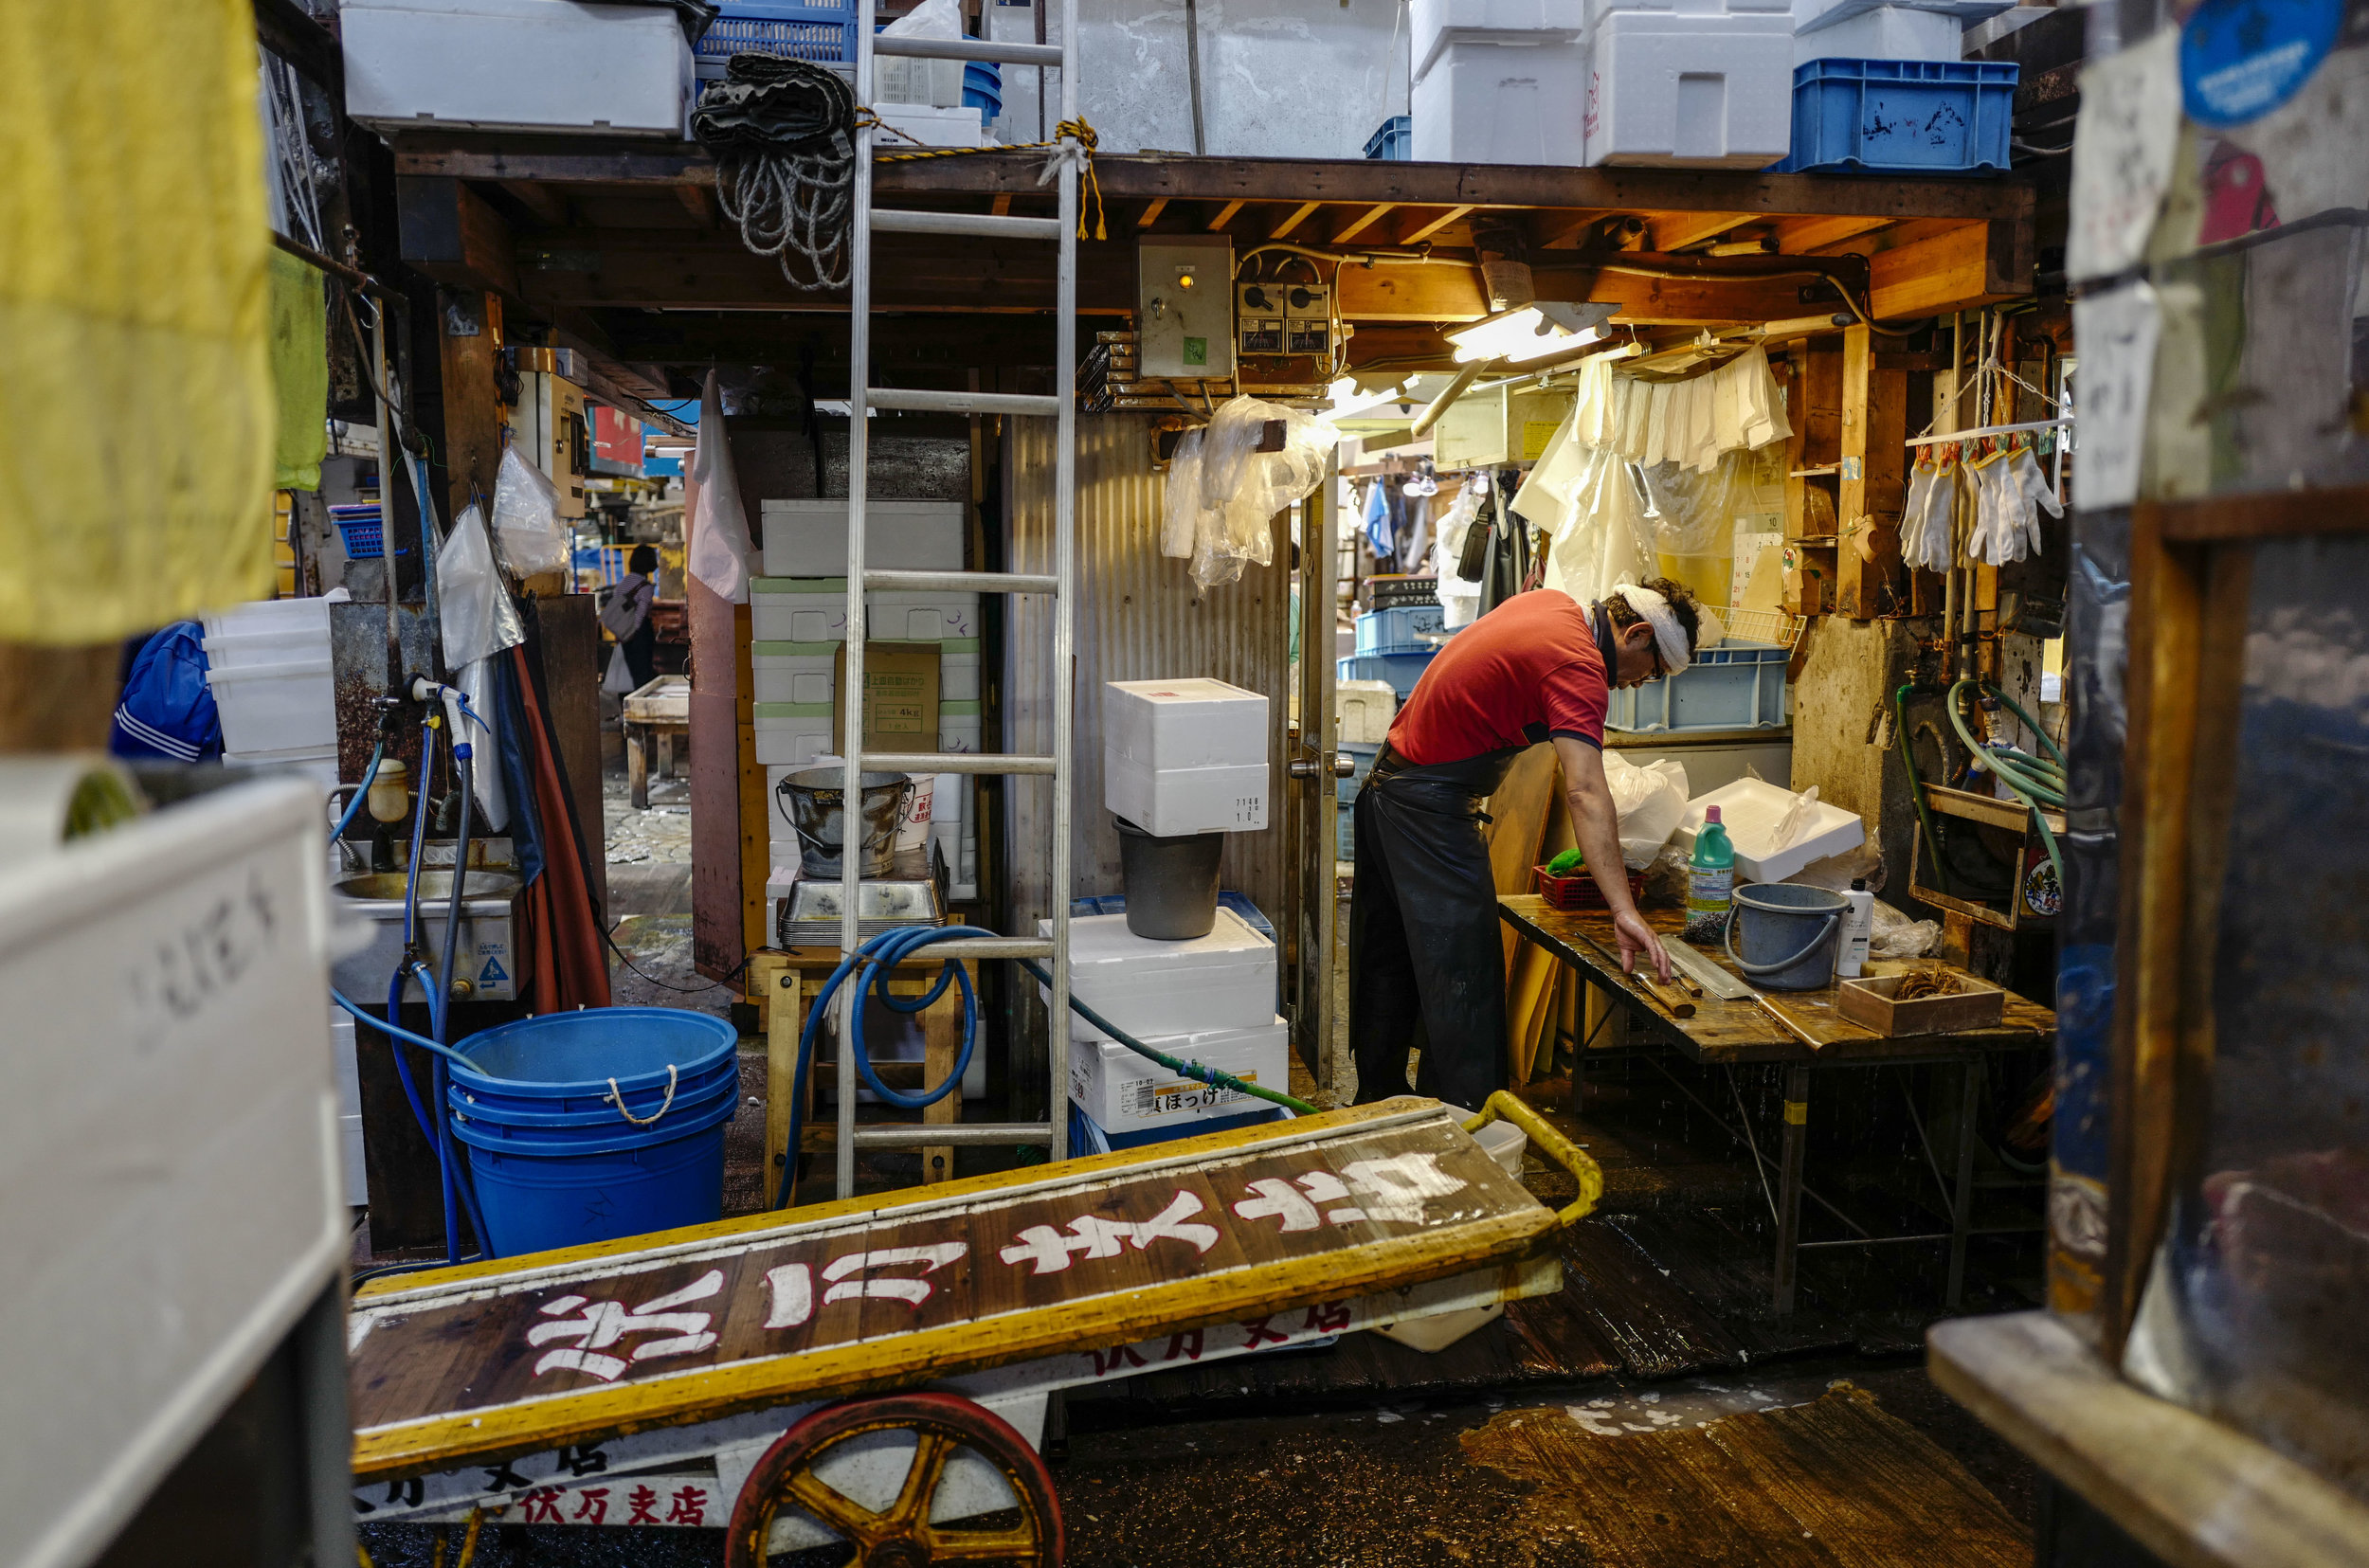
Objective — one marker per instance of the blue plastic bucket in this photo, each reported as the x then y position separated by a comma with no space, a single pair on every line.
983,88
559,1159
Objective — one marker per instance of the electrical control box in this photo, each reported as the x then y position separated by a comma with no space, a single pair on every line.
1499,424
551,429
1185,308
1284,318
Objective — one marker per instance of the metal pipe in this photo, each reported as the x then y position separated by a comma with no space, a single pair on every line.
386,508
858,484
907,1135
958,582
355,276
1065,614
1438,405
1192,70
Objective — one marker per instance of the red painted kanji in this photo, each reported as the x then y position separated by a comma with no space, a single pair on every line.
1260,1334
691,1508
592,1505
543,1506
643,1504
1186,1345
1328,1317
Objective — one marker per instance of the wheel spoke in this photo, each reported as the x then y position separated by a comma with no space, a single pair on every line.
932,1449
982,1546
842,1513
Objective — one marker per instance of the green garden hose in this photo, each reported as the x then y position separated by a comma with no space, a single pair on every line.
2037,781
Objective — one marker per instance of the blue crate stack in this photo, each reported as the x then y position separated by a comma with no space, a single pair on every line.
1901,116
1396,645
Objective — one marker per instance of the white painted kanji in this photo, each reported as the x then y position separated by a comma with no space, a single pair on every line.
1050,1251
791,1286
1276,1199
604,1324
1392,1189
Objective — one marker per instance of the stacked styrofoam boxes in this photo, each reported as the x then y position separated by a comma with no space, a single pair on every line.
1184,756
1498,80
1699,83
952,621
269,665
1210,1000
1885,32
808,538
796,627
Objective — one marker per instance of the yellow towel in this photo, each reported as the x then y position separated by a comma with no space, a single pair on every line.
135,388
300,371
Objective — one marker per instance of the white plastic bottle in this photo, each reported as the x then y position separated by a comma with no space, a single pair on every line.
1859,925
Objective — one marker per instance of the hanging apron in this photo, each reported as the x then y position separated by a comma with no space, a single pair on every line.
1426,963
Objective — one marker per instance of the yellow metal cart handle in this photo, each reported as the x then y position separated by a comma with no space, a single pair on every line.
1553,1144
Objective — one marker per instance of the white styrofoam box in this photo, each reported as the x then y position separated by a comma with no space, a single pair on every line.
261,617
808,538
1168,801
900,617
1125,1092
1190,723
516,65
950,797
1599,10
1148,988
275,707
1888,32
1486,101
1361,710
316,765
792,734
794,672
960,728
171,1128
293,643
1712,92
958,669
798,609
1437,24
348,1070
1750,810
930,127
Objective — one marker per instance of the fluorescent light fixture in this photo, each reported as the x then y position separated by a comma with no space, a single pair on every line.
1532,332
1348,401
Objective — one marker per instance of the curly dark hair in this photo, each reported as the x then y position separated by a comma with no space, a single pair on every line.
1682,604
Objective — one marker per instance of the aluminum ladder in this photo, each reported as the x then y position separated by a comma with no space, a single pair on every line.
1053,1133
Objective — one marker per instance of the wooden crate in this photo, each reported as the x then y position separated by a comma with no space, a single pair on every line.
1868,1002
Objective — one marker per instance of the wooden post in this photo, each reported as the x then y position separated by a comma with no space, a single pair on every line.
776,982
1852,589
473,410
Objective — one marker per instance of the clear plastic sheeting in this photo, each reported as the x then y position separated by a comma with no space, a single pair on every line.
1694,510
1603,536
526,518
1241,488
473,607
2253,1313
1650,799
934,81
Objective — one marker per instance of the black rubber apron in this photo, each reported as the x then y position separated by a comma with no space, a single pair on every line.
1426,963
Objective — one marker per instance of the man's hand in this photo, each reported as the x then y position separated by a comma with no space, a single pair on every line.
1637,938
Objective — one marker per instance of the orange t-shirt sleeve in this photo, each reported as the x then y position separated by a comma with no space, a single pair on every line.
1576,696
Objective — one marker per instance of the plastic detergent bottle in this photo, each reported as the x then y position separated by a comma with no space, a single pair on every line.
1711,877
1858,927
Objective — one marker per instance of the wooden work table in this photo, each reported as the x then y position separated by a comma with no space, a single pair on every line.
1728,1034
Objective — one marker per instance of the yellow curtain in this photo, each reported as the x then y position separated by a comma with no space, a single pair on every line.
136,408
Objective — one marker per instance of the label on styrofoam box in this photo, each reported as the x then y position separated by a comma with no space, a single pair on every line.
798,609
960,728
1123,1091
1185,723
1173,802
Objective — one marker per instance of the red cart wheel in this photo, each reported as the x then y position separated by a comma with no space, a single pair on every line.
901,1534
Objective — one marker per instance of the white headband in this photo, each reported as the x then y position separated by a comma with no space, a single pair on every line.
1668,634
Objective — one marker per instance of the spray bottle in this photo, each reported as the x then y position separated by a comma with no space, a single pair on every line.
1711,877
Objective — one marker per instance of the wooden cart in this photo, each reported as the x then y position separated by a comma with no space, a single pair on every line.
877,1369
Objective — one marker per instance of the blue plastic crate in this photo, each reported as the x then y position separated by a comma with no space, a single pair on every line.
1401,669
1405,628
361,528
1393,142
819,34
1344,837
1901,116
1734,686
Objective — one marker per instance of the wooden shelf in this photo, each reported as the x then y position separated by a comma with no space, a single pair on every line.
1829,470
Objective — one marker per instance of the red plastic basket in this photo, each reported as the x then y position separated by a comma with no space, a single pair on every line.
1579,889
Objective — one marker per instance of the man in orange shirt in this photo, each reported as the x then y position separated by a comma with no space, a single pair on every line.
1426,966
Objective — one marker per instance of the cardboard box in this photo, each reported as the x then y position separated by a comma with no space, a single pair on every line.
900,695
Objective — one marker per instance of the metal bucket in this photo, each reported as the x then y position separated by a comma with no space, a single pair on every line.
1789,934
1171,884
814,800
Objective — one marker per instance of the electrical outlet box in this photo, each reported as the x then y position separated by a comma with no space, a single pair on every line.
1185,308
1284,318
551,429
1258,317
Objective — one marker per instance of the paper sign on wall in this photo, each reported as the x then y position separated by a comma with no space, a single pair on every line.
2117,331
2123,147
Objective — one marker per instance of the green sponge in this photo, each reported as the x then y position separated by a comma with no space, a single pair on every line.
1566,864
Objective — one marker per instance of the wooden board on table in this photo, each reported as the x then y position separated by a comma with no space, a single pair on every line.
523,1354
1740,1030
1519,811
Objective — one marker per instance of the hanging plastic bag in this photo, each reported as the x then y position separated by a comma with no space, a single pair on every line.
1649,800
1241,488
1897,936
617,681
1179,506
473,605
526,518
934,81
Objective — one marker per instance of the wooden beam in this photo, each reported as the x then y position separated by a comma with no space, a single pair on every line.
1292,220
453,235
1452,293
1358,226
1950,270
1001,206
1225,216
1678,230
680,268
548,203
1150,214
699,203
1801,236
472,437
1430,227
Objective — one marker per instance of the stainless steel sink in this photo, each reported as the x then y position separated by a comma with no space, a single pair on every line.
488,955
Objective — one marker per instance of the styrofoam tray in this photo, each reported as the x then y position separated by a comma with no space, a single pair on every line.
1750,809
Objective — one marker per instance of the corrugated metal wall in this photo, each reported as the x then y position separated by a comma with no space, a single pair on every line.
1139,618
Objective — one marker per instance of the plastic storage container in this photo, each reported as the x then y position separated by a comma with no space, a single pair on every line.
361,530
798,609
1192,723
897,616
1437,25
1401,670
794,672
1391,140
1402,629
958,669
288,706
1888,32
983,88
1901,116
1172,801
1390,590
1577,889
1490,102
1345,798
1733,686
1707,91
821,34
793,735
545,66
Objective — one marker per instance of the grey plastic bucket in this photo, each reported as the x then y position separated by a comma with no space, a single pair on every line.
1789,934
813,803
1171,884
